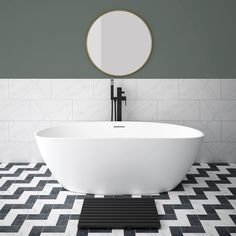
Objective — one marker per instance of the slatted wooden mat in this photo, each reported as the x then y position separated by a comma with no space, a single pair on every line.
119,213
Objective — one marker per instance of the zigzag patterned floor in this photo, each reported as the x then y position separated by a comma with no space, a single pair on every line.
32,202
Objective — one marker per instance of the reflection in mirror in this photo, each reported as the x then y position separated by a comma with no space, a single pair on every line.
119,43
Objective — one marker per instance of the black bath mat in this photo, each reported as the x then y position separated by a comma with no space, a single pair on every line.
119,213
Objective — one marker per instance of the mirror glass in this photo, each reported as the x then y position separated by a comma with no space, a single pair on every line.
119,43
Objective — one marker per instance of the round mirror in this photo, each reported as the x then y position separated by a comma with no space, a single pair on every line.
119,43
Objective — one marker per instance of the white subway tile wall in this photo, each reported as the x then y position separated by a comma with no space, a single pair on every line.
140,110
14,109
72,88
229,89
51,109
3,131
178,110
29,89
157,89
91,110
23,131
199,89
28,105
3,89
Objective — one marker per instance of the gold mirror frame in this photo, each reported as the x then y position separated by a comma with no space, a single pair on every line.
145,62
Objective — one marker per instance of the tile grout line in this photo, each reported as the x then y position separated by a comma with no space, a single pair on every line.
8,89
199,110
140,99
221,88
51,97
157,110
178,88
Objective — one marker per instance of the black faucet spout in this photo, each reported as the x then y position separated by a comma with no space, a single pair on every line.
120,98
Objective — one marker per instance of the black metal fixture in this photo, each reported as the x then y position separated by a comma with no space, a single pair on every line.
116,102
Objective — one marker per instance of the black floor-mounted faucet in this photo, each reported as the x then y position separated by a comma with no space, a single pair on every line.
116,102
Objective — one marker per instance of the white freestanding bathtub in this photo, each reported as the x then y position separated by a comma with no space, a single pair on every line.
119,157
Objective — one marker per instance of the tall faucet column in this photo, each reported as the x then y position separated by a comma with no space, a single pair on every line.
112,98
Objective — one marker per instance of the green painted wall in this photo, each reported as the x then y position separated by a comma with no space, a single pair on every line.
46,38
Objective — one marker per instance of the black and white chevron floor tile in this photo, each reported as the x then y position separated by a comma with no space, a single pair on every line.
32,202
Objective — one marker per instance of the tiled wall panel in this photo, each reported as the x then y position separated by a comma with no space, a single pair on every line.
27,105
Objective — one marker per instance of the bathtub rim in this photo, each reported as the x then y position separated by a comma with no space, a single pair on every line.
198,133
